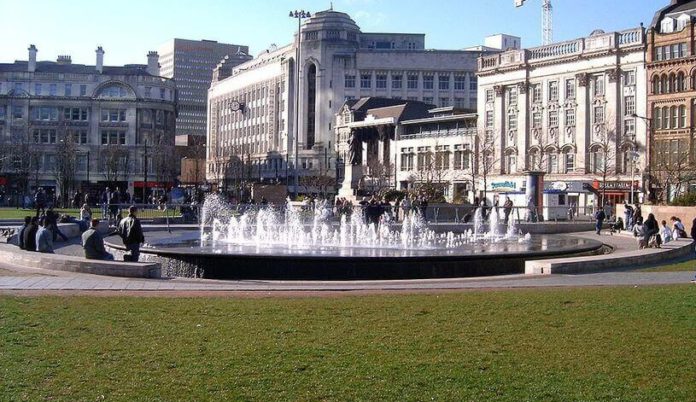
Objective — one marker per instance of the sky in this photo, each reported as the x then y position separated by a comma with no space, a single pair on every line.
128,29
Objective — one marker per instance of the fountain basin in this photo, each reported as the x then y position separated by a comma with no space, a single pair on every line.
184,255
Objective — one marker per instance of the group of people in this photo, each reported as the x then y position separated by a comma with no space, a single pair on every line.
39,233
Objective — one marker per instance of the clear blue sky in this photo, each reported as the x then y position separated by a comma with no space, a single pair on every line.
127,29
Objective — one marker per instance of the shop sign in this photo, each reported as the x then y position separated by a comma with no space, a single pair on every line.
616,185
503,186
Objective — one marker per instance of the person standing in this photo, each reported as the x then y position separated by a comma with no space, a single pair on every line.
628,216
131,232
507,209
20,236
40,201
93,243
44,237
30,234
52,224
599,219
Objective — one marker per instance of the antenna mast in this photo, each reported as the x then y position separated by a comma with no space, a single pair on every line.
546,20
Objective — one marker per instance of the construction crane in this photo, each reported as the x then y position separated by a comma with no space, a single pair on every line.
546,20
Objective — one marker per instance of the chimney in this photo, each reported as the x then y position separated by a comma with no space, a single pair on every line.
153,63
32,58
64,59
100,59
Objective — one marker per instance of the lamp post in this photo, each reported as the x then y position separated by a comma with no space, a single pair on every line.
648,124
299,15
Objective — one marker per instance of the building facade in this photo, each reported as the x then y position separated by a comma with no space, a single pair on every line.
191,63
569,109
253,113
671,69
72,127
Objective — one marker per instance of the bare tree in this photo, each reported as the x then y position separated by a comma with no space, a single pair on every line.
484,158
673,170
603,157
379,177
65,167
115,163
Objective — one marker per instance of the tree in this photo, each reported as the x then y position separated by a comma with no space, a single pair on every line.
603,157
115,163
65,167
672,169
379,177
484,160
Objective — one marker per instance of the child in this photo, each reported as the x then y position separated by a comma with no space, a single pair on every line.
665,232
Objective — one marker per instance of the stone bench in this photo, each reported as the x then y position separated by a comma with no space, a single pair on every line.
70,230
624,259
58,262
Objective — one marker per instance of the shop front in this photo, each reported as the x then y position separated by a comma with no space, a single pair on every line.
617,191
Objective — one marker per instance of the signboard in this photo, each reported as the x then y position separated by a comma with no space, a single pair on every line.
616,185
504,186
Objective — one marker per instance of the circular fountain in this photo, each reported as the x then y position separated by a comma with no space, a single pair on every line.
310,243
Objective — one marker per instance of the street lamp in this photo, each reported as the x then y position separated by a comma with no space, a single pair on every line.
299,15
648,149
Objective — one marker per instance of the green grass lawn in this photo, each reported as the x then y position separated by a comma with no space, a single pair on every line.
689,265
631,344
14,213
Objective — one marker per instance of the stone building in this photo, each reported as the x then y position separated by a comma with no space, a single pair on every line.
671,70
73,127
569,109
191,63
253,114
406,145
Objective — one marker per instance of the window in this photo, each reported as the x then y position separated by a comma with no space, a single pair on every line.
675,116
424,158
490,96
17,112
683,50
52,89
459,83
406,159
512,96
512,122
553,91
682,116
490,123
459,103
412,81
630,105
428,100
473,83
657,118
381,81
45,113
162,93
349,81
397,81
553,118
19,87
113,115
365,81
444,102
552,163
598,114
45,136
536,119
597,161
629,126
68,89
665,117
443,82
113,91
569,161
462,156
113,137
570,118
83,90
428,82
79,136
536,93
599,85
442,157
75,114
37,89
630,78
511,162
570,89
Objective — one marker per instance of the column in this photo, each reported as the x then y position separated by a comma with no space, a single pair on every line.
523,127
582,122
499,129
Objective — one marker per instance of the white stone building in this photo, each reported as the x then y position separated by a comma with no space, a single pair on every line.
252,110
568,109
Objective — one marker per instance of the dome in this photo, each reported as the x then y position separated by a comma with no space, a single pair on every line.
597,32
330,20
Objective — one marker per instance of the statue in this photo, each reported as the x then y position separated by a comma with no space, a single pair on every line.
355,149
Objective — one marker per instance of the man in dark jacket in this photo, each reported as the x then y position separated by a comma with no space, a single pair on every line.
93,243
599,219
131,232
30,235
20,236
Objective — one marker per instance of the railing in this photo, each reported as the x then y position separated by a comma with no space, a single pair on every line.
631,37
556,50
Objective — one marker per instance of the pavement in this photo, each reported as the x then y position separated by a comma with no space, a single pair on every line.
16,279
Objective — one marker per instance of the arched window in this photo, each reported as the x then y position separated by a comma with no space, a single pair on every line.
656,88
673,112
597,159
533,159
311,105
657,118
680,82
673,83
665,117
568,160
682,116
115,91
551,161
665,85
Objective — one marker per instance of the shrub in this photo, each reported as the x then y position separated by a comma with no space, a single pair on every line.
684,200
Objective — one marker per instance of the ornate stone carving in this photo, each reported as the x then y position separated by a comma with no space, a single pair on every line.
613,74
499,90
523,87
583,79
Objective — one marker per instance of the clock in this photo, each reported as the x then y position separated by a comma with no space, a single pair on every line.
235,105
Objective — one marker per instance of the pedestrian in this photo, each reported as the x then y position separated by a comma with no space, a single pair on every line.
30,234
93,243
20,236
131,233
40,201
650,228
599,219
678,229
628,216
693,229
665,232
113,201
44,237
507,209
52,224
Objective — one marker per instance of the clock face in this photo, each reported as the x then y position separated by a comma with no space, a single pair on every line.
235,106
